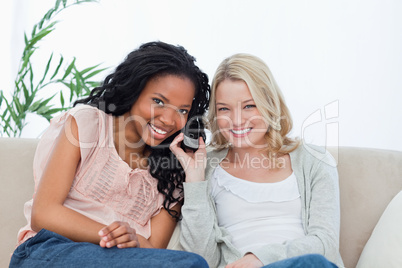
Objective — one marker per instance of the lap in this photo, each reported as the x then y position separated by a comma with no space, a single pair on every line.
308,260
48,249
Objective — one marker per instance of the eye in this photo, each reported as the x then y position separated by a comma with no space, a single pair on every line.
183,111
158,101
223,109
249,106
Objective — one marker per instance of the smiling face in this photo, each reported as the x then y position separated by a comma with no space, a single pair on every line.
238,118
161,109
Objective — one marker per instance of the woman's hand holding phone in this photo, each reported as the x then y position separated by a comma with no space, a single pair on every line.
193,163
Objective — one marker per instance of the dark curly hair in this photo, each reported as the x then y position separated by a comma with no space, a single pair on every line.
121,89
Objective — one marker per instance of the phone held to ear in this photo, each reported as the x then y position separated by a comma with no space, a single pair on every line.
192,131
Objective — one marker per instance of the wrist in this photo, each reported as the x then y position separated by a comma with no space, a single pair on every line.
194,177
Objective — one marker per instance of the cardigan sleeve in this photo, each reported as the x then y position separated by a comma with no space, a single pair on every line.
200,232
322,215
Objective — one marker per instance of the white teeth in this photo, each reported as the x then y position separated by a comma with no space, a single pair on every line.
157,130
239,132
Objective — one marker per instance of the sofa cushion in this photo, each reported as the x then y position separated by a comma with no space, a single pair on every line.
384,247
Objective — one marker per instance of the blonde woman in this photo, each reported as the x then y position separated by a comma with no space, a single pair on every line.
263,199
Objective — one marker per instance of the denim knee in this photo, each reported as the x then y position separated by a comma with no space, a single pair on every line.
195,260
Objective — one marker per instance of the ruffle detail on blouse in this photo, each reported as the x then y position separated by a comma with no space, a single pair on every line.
254,192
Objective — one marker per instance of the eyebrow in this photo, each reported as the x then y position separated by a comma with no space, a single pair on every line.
167,100
222,103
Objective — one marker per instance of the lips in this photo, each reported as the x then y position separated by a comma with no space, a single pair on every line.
158,133
157,130
240,131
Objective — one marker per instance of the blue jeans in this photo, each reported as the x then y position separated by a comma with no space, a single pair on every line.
48,249
304,261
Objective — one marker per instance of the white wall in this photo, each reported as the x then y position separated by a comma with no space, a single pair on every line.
338,63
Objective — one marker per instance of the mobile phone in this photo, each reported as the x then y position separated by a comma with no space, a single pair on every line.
193,130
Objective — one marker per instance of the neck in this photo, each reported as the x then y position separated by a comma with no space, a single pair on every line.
236,154
125,139
254,158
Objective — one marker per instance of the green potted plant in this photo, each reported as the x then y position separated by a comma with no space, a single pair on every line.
26,98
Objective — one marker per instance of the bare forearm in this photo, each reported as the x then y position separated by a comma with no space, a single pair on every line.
144,243
66,222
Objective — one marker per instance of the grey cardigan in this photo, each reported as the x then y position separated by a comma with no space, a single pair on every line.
317,178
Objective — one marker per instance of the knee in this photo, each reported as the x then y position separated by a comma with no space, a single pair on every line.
318,260
194,261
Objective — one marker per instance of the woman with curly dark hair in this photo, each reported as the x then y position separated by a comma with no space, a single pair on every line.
103,170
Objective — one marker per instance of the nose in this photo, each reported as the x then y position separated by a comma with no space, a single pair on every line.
238,117
168,116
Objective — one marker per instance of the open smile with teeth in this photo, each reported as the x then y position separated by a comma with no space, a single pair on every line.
158,130
241,131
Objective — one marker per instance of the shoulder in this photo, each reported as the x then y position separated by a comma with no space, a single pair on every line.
214,157
86,112
91,122
310,154
216,153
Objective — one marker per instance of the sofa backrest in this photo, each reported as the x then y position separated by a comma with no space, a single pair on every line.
17,185
368,180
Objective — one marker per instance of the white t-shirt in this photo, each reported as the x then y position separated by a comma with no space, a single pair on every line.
257,214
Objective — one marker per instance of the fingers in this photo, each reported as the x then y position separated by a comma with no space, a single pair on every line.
174,146
118,234
180,154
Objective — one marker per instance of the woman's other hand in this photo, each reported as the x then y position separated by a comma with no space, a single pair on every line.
248,261
118,234
193,163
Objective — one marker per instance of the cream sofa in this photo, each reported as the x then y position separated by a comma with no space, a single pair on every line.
369,179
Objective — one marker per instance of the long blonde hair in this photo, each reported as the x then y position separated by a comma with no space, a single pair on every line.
267,97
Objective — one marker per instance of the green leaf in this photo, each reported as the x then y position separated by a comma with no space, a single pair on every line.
18,105
69,68
35,106
38,37
26,96
92,84
40,24
4,114
64,83
7,125
51,25
61,99
43,109
49,14
1,97
56,6
31,76
13,114
47,69
46,116
21,77
55,110
72,90
40,103
94,73
45,102
64,3
33,31
26,39
88,69
58,67
79,82
25,61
